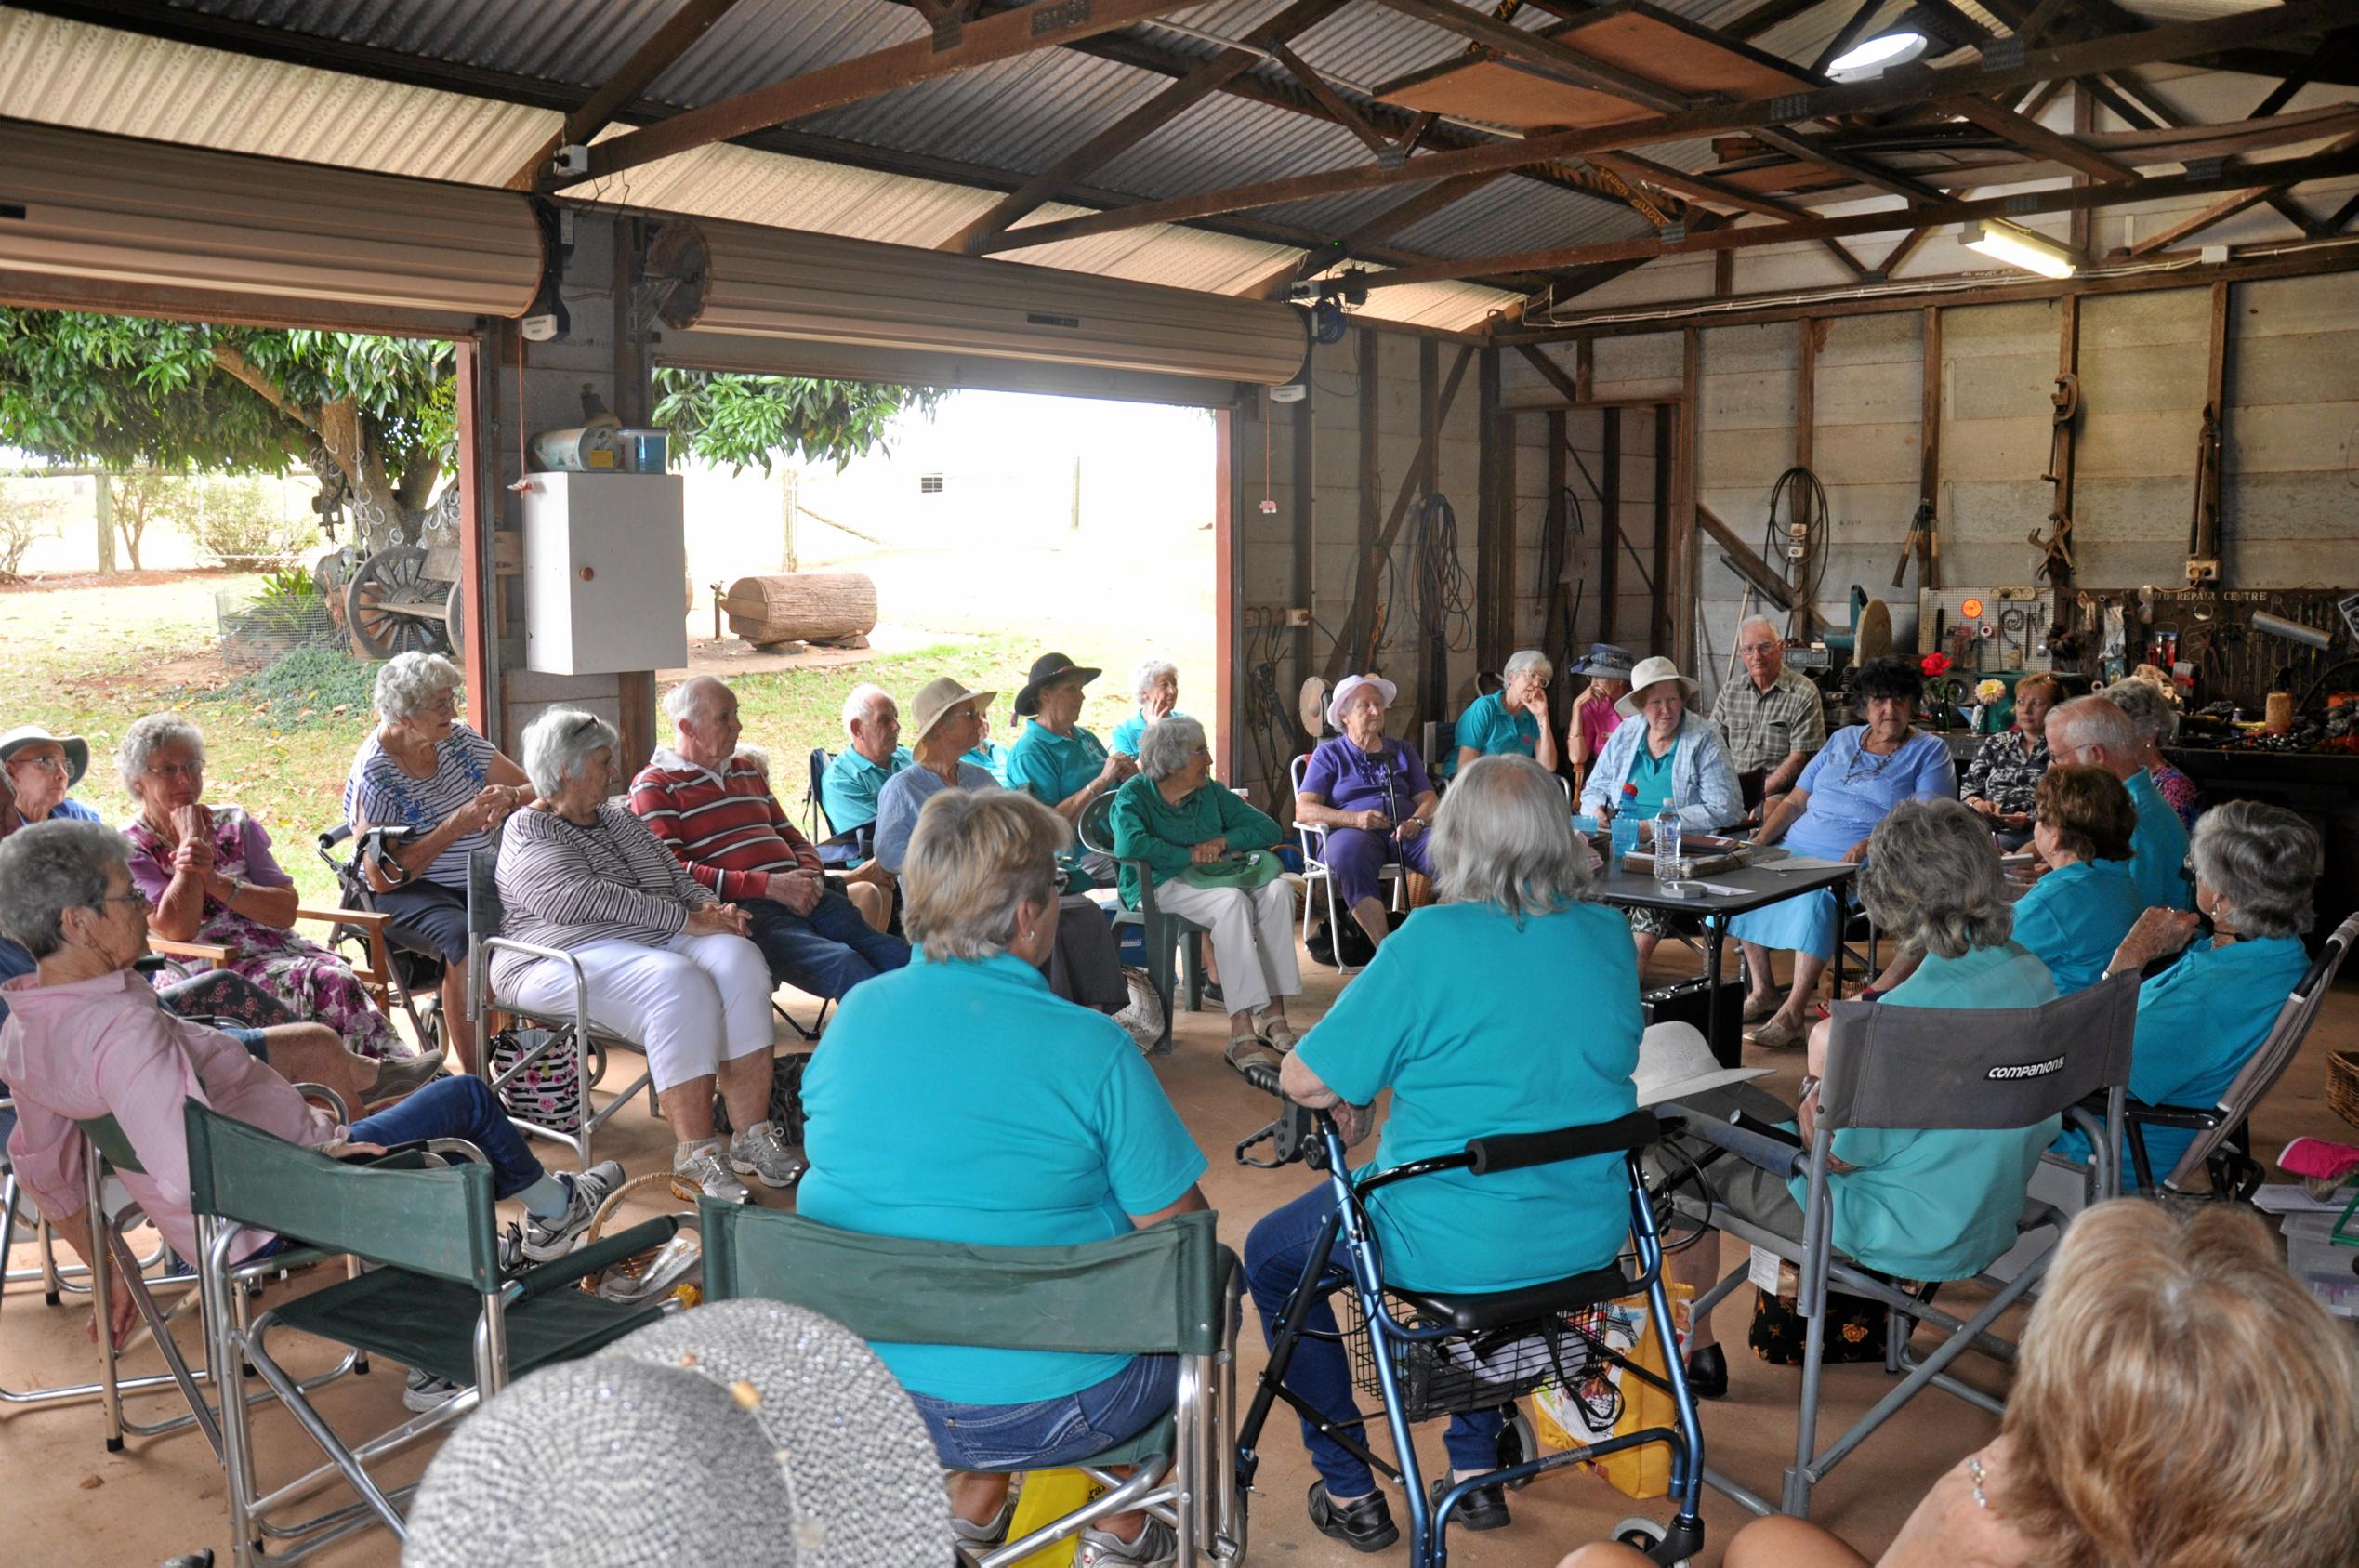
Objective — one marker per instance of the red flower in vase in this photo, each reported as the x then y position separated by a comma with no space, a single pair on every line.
1934,664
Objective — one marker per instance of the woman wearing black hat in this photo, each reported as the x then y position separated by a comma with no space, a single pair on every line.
1058,763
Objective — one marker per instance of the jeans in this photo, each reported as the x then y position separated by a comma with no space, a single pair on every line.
826,952
460,1107
1276,1250
1050,1432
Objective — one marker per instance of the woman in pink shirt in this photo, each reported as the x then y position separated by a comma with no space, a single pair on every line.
1594,715
86,1037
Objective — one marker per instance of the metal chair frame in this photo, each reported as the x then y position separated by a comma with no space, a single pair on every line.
1160,931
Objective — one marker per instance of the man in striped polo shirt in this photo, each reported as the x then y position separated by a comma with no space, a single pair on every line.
714,809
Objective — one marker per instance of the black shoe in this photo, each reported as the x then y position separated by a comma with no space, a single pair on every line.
1708,1373
1365,1526
1483,1508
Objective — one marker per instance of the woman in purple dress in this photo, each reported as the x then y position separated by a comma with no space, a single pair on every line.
1372,796
209,875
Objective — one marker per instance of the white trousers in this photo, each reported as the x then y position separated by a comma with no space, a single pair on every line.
689,1003
1252,938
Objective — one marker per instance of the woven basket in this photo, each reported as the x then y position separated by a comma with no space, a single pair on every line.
2342,1085
610,1210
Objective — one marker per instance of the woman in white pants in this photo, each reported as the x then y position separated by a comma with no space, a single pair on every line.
669,965
1191,829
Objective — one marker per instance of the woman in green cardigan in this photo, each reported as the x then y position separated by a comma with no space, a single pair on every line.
1176,817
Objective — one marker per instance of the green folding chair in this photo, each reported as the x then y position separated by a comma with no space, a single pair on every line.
1164,934
437,1301
1171,1289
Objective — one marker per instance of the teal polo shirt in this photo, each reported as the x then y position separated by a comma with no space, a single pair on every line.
2074,917
1126,734
1438,1019
2159,849
1050,767
964,1102
992,758
2198,1023
1493,731
1943,1204
848,789
1652,776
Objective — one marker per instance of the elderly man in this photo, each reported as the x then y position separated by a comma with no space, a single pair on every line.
714,809
848,790
1772,720
2092,731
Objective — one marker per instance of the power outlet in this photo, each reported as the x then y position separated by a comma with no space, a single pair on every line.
1297,616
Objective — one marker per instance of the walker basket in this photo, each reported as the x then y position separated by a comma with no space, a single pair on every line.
2342,1085
1472,1371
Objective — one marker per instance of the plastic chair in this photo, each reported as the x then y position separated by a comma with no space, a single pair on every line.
571,1031
1314,872
1160,931
437,1301
1926,1069
1171,1289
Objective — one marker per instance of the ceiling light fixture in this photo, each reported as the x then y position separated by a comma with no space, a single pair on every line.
1876,55
2020,247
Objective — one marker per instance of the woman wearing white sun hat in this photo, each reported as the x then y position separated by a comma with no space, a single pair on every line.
1371,793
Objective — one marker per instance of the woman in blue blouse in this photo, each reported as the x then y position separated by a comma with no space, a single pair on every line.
2201,1020
1859,776
2078,913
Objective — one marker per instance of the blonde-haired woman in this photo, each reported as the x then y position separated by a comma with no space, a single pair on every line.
2181,1402
1043,1128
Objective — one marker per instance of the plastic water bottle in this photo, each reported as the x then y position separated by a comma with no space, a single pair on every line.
1626,824
1666,846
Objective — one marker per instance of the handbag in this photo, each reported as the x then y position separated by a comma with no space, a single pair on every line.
549,1092
1253,869
785,1100
1778,1333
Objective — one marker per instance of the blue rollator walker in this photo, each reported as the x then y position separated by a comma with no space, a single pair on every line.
1506,1343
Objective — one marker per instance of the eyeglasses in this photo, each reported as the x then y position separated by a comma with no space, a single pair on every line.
447,704
54,764
967,712
134,896
176,770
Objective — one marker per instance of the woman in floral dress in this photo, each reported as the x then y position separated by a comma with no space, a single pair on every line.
209,875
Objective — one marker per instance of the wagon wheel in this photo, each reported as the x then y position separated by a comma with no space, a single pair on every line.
454,623
388,577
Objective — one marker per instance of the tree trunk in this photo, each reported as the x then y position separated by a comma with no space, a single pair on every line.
832,607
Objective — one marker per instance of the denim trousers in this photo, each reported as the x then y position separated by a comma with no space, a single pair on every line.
1047,1433
826,952
1277,1251
458,1107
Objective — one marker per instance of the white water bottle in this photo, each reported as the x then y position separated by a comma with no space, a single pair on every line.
1667,845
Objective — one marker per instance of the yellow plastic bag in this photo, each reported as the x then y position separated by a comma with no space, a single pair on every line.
1048,1495
1611,1402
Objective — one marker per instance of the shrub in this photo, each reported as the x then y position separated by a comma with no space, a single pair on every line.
25,518
241,525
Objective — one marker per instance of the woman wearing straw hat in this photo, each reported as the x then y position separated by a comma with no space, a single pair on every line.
42,767
1674,758
1372,796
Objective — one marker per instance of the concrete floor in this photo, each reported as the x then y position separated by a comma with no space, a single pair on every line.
63,1499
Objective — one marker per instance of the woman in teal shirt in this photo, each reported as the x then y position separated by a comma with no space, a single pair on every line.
1156,683
1036,1122
1513,718
1058,763
2078,913
1447,1018
1921,1205
1176,817
2200,1019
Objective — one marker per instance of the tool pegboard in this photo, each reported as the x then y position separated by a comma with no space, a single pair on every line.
2212,637
1985,630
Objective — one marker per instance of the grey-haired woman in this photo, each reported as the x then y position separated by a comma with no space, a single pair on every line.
669,965
2156,718
1156,684
1177,818
1514,717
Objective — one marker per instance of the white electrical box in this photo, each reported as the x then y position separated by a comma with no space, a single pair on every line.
604,560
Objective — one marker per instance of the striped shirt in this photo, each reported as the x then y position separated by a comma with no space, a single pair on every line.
379,793
727,828
564,885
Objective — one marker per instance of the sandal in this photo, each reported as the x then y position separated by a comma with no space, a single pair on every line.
1765,1006
1276,1032
1775,1036
1245,1050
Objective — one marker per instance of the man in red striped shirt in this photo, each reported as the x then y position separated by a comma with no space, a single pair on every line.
714,809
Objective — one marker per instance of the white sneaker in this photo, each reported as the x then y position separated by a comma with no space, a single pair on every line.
547,1240
1157,1547
702,1168
760,1153
424,1391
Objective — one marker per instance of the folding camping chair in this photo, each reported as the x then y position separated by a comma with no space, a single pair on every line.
1171,1289
1313,841
1160,931
1926,1069
437,1300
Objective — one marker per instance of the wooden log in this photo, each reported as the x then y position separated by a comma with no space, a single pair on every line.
838,608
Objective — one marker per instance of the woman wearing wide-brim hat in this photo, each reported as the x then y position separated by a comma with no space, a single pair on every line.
1058,763
1371,793
42,767
1594,718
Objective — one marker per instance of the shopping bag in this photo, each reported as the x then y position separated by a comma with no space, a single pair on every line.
1600,1399
548,1093
1048,1495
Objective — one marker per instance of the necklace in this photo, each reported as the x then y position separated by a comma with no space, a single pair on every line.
1883,760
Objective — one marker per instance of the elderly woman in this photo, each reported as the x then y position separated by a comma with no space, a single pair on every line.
1514,717
2008,766
41,768
2152,1322
1156,682
2077,915
1462,1060
2200,1019
1676,760
1058,763
1922,1205
1596,712
210,877
86,1037
1041,1126
1862,773
2155,718
1372,796
1178,818
423,770
668,964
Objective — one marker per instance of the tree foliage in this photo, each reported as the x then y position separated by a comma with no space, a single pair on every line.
25,518
748,420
